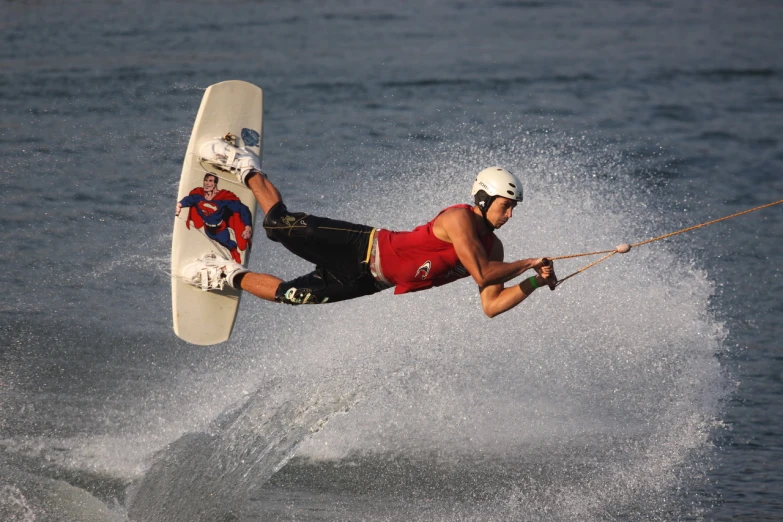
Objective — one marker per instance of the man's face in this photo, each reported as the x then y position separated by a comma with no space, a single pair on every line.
500,211
209,183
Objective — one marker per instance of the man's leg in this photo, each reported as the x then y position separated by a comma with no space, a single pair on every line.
213,272
265,192
267,195
266,286
260,285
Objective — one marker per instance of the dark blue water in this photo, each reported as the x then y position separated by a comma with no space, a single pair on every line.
647,388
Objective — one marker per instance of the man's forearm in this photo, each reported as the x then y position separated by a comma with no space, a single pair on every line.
510,297
498,272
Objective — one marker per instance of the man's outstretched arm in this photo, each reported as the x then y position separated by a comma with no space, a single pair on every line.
458,225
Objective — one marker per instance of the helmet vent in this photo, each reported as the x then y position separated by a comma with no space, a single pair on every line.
511,192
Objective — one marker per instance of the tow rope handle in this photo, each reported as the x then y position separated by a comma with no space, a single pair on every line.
552,284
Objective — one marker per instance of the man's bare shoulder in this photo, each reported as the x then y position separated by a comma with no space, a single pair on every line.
458,210
454,221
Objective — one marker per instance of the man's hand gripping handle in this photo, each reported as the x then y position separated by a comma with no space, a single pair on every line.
548,273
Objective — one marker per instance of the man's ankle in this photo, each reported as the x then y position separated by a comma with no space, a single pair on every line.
251,175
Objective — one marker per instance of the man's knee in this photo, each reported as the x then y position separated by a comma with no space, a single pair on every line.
280,223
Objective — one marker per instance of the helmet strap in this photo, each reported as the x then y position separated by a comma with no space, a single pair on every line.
483,203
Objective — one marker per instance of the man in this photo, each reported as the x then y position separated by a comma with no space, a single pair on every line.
355,260
217,211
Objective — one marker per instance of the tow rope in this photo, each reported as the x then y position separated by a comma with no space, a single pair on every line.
625,247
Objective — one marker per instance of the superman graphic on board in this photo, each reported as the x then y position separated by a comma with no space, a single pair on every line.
219,212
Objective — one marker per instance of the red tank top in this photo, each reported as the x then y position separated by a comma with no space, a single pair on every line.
417,260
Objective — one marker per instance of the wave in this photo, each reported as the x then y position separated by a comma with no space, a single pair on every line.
208,475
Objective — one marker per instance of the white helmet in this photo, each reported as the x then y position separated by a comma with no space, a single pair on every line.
493,182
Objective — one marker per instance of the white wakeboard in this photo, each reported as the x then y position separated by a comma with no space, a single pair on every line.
213,221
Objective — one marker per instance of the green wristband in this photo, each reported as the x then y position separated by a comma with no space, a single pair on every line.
533,282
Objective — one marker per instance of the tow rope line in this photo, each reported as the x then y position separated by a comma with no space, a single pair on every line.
625,247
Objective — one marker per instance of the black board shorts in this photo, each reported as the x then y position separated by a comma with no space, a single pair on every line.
339,250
